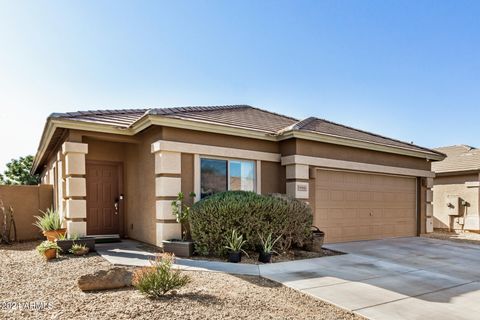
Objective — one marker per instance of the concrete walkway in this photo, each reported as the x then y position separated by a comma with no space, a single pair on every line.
406,278
133,253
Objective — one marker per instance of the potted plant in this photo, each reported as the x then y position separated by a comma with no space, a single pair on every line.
51,224
266,249
79,249
48,249
181,247
235,243
316,242
65,242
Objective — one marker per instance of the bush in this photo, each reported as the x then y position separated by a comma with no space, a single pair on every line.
213,219
157,280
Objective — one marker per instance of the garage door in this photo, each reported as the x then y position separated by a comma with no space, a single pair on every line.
353,206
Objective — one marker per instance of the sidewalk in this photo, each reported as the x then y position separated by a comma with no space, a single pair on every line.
136,254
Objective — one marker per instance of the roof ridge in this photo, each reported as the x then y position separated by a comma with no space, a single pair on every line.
172,110
377,135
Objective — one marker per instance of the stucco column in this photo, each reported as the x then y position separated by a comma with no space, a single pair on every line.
168,183
297,181
75,190
429,209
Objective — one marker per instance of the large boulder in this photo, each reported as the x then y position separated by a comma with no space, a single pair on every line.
106,279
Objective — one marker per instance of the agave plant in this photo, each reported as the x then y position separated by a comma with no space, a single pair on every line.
235,242
49,221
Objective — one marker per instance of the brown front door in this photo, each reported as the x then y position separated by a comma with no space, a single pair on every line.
103,193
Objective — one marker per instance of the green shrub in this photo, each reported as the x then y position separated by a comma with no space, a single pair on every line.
213,219
157,280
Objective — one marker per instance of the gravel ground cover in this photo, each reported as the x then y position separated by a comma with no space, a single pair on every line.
465,237
50,292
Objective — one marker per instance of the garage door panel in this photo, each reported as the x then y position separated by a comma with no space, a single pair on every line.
359,206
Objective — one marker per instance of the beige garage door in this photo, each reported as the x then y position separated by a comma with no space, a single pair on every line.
353,206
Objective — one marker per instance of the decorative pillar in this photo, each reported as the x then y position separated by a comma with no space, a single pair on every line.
297,181
429,209
75,190
168,183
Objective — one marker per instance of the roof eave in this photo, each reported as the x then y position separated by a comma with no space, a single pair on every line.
327,138
457,172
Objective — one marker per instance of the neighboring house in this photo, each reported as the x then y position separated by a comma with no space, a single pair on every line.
456,189
117,171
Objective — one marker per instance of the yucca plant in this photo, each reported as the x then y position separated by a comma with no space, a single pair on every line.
267,243
49,221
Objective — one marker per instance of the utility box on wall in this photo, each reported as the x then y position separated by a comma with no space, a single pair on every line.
453,204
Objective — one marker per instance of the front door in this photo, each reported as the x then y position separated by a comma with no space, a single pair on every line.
103,197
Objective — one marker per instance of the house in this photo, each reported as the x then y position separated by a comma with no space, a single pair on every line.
117,171
456,189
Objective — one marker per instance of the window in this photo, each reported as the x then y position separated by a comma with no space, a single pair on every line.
217,175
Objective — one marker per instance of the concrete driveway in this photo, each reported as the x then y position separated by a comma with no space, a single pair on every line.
404,278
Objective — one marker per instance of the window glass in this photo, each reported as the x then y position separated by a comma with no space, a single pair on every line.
213,176
242,175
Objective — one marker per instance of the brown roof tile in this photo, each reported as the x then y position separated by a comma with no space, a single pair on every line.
119,118
239,116
323,126
459,158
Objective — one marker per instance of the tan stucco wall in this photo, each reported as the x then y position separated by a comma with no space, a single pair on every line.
187,176
273,177
26,202
219,140
455,185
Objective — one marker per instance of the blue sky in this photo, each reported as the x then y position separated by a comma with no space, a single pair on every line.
405,69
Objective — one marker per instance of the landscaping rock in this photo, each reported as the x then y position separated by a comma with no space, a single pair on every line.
106,279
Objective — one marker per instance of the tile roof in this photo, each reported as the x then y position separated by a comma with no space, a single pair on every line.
242,116
459,158
323,126
119,118
239,116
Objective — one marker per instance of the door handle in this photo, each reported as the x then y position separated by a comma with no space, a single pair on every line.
116,207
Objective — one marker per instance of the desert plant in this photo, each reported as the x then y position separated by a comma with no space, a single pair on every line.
158,279
213,219
267,243
182,213
235,242
49,221
79,249
47,245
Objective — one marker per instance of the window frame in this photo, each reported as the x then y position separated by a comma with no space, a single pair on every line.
254,162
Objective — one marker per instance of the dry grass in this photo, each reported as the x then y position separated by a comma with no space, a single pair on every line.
26,277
